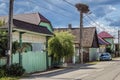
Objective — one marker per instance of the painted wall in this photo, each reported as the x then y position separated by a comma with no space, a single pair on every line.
93,54
32,61
46,25
76,54
3,61
110,40
35,59
102,48
30,38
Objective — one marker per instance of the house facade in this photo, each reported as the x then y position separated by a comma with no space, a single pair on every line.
108,41
89,42
102,44
32,29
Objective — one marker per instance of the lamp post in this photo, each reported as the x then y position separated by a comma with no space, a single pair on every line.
82,8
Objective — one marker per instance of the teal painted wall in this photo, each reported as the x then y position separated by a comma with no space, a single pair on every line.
110,40
3,61
46,25
77,58
15,58
32,61
93,54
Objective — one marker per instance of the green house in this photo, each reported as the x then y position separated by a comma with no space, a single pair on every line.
109,39
32,29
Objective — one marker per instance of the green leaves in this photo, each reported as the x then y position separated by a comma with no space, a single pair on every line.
2,22
61,45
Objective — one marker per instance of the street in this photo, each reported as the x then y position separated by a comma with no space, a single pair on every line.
104,70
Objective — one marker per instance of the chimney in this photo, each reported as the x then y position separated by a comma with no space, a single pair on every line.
69,26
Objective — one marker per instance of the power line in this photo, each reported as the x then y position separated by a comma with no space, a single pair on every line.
48,9
94,22
87,21
66,10
84,16
69,3
52,11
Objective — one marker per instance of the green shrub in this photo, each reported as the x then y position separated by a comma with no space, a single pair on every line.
15,70
2,71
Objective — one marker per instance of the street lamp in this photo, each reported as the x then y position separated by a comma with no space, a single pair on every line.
82,8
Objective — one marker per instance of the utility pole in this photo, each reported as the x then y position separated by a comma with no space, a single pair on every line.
82,8
10,32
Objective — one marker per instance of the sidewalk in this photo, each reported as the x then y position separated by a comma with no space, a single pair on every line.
54,72
71,68
59,70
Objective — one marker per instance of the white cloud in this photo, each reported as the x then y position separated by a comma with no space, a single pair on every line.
2,6
101,27
110,7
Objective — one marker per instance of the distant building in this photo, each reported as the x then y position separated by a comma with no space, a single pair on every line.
107,41
89,42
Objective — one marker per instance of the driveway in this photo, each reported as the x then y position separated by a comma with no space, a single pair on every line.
105,70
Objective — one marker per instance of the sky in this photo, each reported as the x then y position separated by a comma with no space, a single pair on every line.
104,14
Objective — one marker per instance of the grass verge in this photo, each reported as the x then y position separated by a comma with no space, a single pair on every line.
9,78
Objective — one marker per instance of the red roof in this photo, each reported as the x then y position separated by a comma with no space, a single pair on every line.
104,34
102,42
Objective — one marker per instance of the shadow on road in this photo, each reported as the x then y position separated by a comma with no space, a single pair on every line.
68,69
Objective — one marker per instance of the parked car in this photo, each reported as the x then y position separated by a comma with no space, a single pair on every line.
105,57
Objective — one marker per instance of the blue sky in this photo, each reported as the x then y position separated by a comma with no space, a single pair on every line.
104,13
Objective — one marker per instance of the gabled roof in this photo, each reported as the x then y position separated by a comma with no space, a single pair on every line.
33,18
104,34
102,42
89,34
30,27
29,22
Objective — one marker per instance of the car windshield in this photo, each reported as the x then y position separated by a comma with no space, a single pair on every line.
105,54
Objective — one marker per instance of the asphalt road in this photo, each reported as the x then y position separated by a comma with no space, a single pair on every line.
105,70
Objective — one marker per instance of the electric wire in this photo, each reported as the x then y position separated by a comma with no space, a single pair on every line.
48,9
84,16
69,3
70,18
66,10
